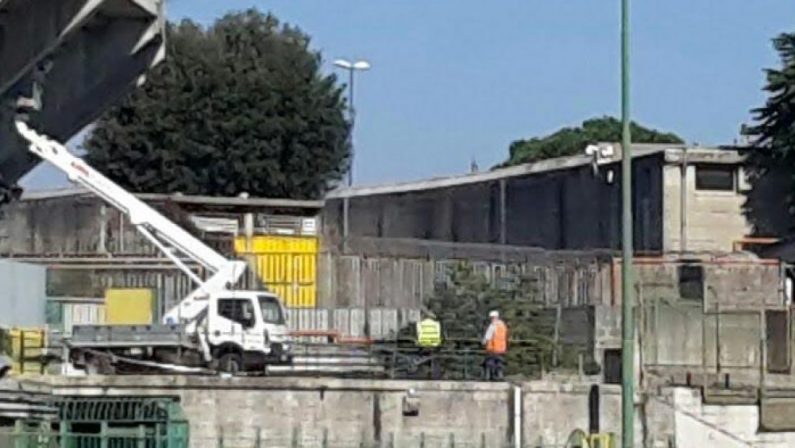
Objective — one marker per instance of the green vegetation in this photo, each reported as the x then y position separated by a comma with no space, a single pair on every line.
462,306
241,106
572,141
774,130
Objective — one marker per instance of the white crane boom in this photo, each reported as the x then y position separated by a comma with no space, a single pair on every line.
170,238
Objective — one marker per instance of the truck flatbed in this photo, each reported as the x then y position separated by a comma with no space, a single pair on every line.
90,336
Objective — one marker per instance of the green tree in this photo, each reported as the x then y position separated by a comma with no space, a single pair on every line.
572,141
240,106
773,136
462,304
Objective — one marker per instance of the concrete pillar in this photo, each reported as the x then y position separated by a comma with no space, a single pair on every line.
345,223
248,229
503,213
103,229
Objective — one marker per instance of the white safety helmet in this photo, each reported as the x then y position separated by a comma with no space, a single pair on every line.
494,314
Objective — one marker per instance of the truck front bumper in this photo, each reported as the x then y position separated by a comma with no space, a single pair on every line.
280,354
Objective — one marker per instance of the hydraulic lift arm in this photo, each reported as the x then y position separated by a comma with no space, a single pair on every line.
171,239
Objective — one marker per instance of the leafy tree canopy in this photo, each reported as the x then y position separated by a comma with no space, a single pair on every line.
240,106
572,141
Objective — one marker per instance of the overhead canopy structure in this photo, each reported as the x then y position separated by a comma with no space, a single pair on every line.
62,62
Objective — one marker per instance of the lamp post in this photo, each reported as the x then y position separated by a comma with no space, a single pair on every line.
351,68
627,291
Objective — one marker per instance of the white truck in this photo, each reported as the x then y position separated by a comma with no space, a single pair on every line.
214,328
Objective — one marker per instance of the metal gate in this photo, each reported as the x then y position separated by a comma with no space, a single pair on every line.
123,422
287,265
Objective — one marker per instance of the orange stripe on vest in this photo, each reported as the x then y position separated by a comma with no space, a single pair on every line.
499,342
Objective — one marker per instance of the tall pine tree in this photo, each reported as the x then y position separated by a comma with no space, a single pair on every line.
774,131
772,164
240,106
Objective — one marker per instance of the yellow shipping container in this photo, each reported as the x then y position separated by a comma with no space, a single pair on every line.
129,306
27,347
286,264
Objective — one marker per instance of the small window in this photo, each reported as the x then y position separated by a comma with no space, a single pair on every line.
715,178
612,366
691,282
271,310
236,310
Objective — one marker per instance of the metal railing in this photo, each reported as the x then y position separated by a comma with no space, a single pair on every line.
131,438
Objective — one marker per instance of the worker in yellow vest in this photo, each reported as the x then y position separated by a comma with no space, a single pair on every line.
429,333
429,339
496,342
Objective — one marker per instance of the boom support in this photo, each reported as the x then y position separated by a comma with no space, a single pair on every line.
170,238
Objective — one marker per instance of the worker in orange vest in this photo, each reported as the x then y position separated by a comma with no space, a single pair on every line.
496,343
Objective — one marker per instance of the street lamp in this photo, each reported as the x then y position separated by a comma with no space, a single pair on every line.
351,67
627,292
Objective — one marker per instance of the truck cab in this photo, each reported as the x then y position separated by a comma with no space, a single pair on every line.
247,330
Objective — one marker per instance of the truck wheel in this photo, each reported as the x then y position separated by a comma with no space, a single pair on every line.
230,363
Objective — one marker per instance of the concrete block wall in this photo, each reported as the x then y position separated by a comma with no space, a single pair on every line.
348,412
398,281
699,425
554,204
703,210
553,410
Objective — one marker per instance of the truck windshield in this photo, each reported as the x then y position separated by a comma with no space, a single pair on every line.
271,310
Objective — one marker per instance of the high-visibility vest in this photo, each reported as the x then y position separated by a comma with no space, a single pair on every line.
498,344
429,333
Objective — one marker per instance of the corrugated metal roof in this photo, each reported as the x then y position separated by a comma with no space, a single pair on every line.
671,152
232,201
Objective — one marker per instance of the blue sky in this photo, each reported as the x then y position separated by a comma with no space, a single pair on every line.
454,80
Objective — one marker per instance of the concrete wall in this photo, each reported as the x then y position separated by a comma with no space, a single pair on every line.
700,425
682,336
351,411
553,410
722,329
72,225
355,412
22,294
714,219
407,277
567,204
571,208
729,283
